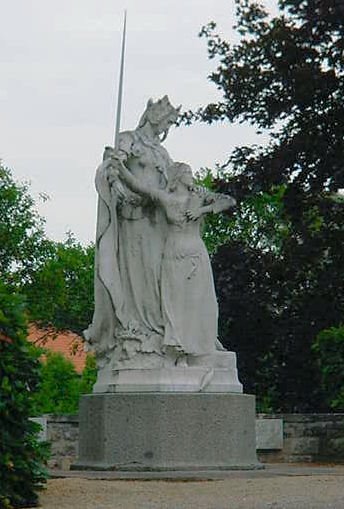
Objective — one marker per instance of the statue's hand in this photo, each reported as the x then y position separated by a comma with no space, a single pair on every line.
111,170
193,214
113,166
112,176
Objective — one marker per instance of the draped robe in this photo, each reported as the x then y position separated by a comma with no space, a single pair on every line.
130,239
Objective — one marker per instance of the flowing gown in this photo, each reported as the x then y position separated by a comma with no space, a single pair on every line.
189,305
129,245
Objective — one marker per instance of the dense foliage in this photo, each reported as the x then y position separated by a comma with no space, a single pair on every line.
89,375
61,386
60,292
22,241
285,76
21,456
329,347
55,277
259,220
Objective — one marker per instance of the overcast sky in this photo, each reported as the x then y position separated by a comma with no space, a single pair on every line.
59,63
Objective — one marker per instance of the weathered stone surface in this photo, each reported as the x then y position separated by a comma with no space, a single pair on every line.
218,373
269,434
310,437
336,447
63,435
302,445
62,432
167,431
316,429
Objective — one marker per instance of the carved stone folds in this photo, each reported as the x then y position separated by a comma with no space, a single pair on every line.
203,373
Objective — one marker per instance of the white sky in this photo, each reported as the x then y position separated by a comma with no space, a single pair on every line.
59,64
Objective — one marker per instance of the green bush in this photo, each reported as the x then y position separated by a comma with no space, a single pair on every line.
329,348
58,392
89,375
61,386
22,457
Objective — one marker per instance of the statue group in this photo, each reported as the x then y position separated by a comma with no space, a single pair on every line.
155,302
167,395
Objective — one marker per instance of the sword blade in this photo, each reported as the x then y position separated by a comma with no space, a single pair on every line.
120,85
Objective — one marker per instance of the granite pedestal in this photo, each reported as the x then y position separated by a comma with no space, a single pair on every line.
167,431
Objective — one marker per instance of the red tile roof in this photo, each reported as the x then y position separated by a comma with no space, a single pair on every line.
70,345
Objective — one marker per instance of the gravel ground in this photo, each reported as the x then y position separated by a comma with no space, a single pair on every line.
274,492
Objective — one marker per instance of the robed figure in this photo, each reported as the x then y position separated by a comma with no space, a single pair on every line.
155,302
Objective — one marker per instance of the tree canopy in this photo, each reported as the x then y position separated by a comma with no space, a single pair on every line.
22,241
60,292
285,76
55,277
60,385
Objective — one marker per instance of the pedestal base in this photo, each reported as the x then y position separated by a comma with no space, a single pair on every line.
173,431
216,372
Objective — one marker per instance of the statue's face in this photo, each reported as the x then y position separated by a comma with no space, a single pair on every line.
187,179
162,115
164,124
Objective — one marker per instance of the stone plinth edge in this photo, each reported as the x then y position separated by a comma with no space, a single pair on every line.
167,432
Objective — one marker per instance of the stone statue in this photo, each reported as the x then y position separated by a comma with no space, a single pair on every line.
155,319
188,300
154,329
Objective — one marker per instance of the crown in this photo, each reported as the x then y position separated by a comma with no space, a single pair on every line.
160,110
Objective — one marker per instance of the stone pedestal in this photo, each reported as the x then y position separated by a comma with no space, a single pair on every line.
167,431
215,372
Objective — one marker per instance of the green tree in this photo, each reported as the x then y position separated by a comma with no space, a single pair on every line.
259,220
59,389
61,386
22,240
285,76
21,456
55,277
329,349
60,292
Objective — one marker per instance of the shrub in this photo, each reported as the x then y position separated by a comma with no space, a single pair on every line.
22,457
61,386
89,375
329,348
58,391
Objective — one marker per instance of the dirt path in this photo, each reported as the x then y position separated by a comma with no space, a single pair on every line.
287,492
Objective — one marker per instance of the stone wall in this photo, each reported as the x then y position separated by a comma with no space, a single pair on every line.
305,438
308,438
62,431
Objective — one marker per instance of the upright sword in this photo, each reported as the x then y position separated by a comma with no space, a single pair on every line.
120,85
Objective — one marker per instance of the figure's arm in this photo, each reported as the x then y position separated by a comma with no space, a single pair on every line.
135,184
111,155
219,202
214,203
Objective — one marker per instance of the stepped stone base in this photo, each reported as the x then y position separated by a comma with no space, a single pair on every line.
207,373
167,431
